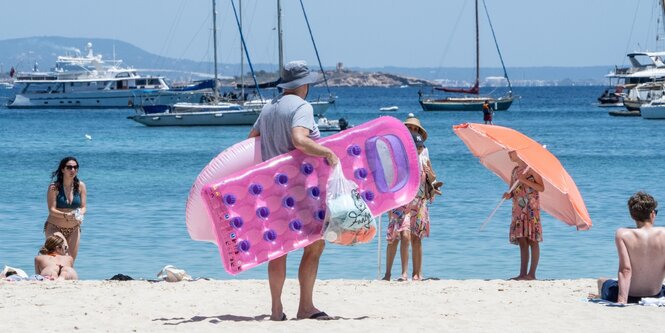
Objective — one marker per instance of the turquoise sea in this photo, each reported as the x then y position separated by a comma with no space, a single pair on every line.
138,180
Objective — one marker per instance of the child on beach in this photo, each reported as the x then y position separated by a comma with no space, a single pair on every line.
525,227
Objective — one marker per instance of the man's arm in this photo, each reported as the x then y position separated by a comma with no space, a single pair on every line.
625,269
308,146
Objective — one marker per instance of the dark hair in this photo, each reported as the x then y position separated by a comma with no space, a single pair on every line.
56,175
640,205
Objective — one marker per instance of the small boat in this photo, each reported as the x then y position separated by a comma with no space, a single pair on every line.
326,125
389,108
609,99
472,100
654,109
623,113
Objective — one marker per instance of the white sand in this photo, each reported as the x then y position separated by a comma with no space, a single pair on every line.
360,306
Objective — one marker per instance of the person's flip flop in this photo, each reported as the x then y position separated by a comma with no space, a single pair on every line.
283,317
320,315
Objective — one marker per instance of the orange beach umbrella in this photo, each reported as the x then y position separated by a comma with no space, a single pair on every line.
491,144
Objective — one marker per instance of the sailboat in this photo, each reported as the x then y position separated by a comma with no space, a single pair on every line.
211,113
472,101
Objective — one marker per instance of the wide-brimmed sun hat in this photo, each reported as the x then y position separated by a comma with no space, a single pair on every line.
415,122
296,74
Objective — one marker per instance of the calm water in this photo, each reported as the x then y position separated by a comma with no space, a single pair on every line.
138,180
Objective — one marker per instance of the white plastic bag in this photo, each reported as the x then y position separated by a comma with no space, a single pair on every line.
348,219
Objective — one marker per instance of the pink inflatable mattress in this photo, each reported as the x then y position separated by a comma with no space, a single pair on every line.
277,206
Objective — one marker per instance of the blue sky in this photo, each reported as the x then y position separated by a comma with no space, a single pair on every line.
359,33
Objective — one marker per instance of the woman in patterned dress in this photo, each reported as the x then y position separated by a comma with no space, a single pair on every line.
525,228
409,224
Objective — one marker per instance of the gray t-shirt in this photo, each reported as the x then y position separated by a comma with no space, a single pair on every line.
276,121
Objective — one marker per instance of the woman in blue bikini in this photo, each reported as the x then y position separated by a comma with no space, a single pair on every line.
66,198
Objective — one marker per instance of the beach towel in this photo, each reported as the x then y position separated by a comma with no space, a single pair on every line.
652,301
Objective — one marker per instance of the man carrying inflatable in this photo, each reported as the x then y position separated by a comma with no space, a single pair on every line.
287,123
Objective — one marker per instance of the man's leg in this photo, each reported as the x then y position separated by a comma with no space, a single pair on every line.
276,277
309,266
391,251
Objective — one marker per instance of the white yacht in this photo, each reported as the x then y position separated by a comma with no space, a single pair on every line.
89,82
654,109
642,81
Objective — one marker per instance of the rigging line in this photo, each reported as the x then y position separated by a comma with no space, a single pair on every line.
167,44
450,40
325,79
244,46
187,48
632,27
505,73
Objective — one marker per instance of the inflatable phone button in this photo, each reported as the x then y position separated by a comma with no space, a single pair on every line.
360,173
255,189
281,179
263,212
354,150
289,202
236,222
229,199
395,160
368,196
295,225
307,168
244,246
269,235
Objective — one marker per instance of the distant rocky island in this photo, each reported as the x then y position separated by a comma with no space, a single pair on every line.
348,78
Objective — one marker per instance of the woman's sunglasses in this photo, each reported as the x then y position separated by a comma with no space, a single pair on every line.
71,167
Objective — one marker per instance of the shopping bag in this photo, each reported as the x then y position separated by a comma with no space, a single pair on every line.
348,219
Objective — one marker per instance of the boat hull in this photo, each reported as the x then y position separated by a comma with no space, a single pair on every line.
653,112
111,99
465,104
633,105
222,118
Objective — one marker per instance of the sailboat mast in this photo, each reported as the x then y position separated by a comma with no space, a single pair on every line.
280,42
242,56
214,41
477,48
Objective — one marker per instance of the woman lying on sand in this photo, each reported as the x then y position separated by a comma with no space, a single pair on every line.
53,262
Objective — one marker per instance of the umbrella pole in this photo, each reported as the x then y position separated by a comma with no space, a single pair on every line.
512,187
378,252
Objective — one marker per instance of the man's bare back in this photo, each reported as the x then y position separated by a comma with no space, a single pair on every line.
643,251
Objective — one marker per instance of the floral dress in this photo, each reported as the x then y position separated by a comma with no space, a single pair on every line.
413,216
526,211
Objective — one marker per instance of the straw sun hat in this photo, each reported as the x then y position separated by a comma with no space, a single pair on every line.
415,122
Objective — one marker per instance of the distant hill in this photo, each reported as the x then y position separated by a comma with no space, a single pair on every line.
22,53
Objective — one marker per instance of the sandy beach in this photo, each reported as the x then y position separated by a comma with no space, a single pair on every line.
376,306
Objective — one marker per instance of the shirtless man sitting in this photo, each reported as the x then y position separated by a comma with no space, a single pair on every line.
641,256
53,262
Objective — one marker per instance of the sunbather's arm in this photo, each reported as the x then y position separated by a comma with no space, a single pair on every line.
625,269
